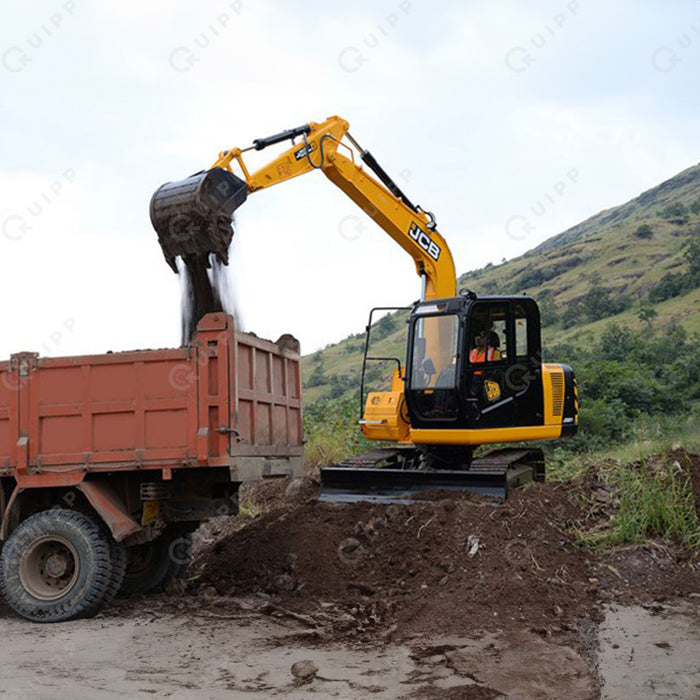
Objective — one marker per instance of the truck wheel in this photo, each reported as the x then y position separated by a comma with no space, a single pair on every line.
151,565
56,566
117,553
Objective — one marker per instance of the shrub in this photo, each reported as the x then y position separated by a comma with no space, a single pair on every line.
548,308
317,377
599,302
671,285
531,278
692,257
644,231
677,213
646,314
332,432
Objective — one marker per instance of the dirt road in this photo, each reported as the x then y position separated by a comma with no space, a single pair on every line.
167,647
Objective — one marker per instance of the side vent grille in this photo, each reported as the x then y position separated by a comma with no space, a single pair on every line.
557,393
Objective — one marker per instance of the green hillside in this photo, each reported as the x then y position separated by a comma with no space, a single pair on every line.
637,265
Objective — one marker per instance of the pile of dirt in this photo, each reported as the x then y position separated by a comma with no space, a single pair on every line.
437,566
447,564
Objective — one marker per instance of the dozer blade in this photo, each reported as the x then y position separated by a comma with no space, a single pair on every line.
493,476
193,216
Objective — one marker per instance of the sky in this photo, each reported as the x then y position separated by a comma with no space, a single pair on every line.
510,121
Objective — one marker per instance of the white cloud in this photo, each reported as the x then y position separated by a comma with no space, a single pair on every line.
435,100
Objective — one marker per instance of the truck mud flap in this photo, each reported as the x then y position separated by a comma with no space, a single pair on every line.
348,485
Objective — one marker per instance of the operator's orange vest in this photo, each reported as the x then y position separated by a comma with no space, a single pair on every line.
477,355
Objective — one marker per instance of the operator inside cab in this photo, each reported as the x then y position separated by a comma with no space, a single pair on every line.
486,347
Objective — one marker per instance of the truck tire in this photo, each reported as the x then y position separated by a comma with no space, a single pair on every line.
118,556
56,566
150,566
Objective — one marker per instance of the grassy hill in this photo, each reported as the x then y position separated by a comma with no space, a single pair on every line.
629,264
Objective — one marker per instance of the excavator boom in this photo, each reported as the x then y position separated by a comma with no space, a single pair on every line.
193,216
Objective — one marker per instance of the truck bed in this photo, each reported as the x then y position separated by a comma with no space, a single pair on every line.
229,399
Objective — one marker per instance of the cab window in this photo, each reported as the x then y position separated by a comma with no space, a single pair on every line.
521,344
435,355
487,334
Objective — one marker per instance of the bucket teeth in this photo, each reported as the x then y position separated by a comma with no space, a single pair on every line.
193,216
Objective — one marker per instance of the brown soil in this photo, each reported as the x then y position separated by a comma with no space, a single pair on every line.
449,565
443,566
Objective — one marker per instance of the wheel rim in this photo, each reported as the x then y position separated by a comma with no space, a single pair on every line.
140,559
49,568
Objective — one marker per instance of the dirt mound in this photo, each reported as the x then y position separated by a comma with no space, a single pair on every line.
444,565
441,566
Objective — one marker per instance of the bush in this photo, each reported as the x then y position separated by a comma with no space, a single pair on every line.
599,302
644,231
549,312
676,213
317,377
350,348
531,278
340,384
692,257
646,314
627,376
671,285
385,326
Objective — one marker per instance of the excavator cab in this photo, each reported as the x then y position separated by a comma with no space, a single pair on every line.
473,376
474,363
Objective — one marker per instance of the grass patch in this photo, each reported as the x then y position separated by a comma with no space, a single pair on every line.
650,498
249,510
325,447
656,503
332,432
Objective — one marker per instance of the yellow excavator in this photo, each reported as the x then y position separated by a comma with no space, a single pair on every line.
473,373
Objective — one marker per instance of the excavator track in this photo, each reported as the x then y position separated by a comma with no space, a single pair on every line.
373,459
390,475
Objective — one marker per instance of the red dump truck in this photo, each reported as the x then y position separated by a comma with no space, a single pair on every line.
109,462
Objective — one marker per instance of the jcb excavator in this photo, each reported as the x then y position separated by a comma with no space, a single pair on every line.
473,373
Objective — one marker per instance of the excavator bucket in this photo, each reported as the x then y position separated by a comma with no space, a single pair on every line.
193,216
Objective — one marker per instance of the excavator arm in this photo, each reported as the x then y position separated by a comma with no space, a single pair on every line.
434,424
193,216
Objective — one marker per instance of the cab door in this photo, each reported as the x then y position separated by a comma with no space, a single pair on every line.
524,375
489,398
